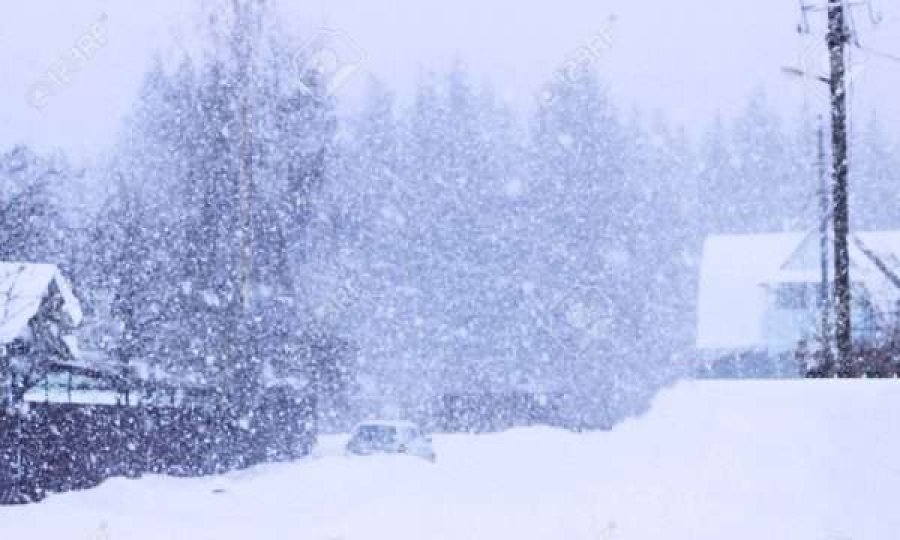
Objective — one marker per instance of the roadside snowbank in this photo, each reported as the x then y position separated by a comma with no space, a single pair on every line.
711,460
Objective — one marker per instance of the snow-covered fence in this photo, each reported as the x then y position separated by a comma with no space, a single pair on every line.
60,447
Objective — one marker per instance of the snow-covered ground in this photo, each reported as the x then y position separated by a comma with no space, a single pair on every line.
816,460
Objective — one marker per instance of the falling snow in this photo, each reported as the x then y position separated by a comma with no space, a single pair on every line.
282,243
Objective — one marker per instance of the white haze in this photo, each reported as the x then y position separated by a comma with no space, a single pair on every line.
692,58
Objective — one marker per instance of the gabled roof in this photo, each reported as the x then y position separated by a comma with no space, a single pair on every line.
22,288
737,268
732,302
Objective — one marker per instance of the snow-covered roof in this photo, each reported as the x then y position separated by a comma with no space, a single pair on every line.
737,268
22,288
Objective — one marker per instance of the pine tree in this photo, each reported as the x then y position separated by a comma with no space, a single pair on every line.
32,226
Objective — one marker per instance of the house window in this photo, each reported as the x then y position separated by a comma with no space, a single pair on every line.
794,296
17,348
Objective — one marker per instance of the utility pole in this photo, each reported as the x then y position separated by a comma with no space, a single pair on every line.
825,212
838,38
837,41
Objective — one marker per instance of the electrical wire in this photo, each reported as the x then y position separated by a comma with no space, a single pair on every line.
879,54
852,40
876,17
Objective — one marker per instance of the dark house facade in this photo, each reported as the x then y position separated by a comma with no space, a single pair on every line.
38,316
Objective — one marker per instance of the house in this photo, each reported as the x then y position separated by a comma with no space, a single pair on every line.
38,315
759,298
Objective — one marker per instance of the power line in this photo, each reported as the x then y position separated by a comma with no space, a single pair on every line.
876,17
879,54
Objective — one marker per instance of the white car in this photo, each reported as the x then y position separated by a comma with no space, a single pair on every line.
390,437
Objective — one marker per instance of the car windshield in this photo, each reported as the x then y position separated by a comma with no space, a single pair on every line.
375,435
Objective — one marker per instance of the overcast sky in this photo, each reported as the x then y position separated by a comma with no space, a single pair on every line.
688,59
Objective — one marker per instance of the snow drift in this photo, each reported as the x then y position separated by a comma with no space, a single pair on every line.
711,460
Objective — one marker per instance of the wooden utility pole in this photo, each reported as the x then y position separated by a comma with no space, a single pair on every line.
837,41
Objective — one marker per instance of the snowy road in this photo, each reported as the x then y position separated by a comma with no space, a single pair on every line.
735,460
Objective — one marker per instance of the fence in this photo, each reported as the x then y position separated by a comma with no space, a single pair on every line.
62,447
488,412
